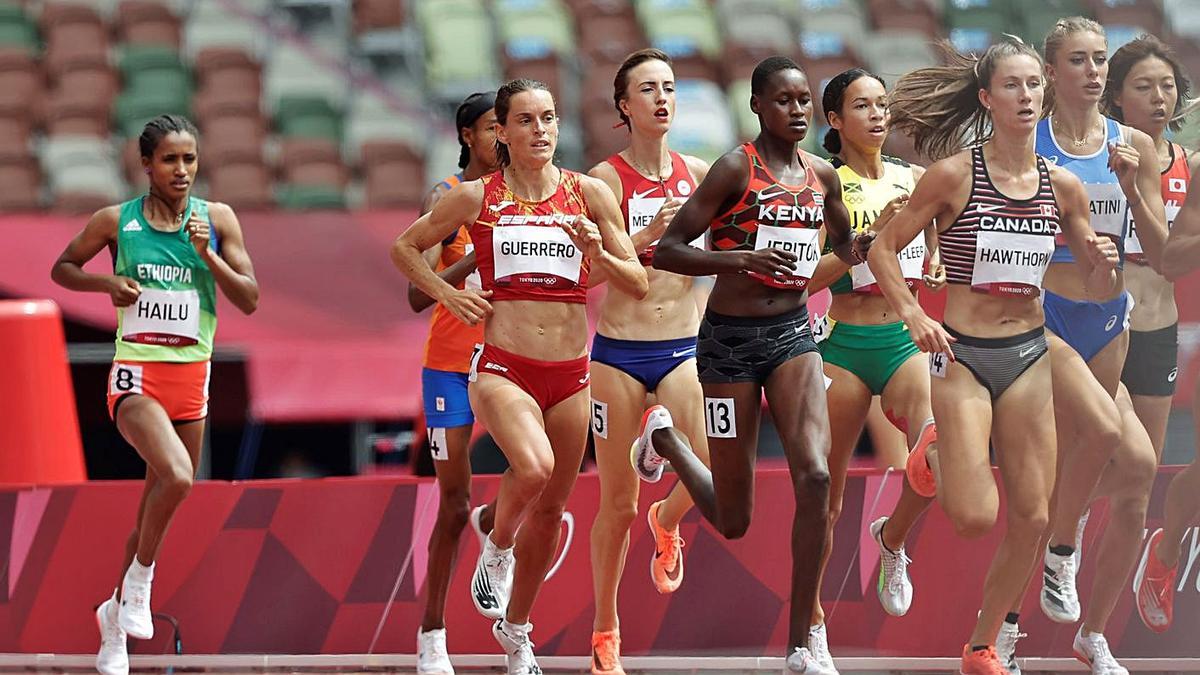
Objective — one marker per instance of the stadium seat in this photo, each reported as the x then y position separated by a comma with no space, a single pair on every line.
306,197
1146,14
894,53
531,28
460,51
372,15
17,30
244,186
1181,15
21,83
74,44
20,185
79,111
147,22
308,117
702,125
232,138
917,16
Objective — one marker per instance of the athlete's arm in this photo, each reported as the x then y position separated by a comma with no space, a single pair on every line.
453,275
831,268
613,255
68,272
457,208
725,183
1136,166
1182,253
231,268
930,198
837,219
1096,256
649,234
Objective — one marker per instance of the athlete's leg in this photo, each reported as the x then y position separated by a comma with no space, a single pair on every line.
618,401
1183,501
454,505
794,392
680,392
171,467
907,396
724,495
967,490
515,423
1089,430
887,441
566,429
1025,450
1153,411
848,401
1127,482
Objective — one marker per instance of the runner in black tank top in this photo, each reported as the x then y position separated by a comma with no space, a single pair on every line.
765,202
996,209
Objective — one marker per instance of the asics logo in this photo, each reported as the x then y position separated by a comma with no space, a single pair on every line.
1173,375
1112,321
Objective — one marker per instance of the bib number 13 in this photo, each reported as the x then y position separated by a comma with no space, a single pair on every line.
719,419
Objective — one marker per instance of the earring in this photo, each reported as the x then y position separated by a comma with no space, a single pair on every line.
147,171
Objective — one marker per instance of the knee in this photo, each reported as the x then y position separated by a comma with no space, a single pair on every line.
546,515
813,483
972,522
455,506
734,526
1104,435
1029,522
532,478
177,485
620,511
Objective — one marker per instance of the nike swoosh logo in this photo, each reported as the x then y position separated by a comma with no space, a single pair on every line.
642,195
1025,352
771,195
988,208
685,352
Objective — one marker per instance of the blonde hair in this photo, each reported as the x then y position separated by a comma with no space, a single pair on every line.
1063,29
939,106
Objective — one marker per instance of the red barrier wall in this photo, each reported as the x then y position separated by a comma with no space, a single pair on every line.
309,566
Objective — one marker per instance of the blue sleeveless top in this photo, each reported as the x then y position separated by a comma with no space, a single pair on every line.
1108,205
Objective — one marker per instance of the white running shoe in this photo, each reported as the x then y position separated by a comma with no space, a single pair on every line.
134,615
1092,649
1060,602
803,661
1006,646
492,583
818,645
475,519
646,462
895,588
113,657
518,648
1079,530
432,657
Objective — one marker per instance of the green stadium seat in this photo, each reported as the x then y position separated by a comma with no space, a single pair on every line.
532,28
308,197
681,27
745,122
460,55
17,30
308,117
138,59
134,108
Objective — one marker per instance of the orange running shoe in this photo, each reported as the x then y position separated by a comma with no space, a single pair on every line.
1154,587
983,662
666,567
606,653
920,476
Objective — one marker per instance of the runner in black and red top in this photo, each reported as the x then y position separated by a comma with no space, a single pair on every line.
538,232
765,203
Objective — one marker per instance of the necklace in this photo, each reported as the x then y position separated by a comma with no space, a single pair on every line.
658,175
1076,142
178,216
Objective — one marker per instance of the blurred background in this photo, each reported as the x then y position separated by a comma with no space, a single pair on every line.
325,122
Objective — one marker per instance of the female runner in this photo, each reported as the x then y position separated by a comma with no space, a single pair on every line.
642,348
539,230
765,204
170,253
998,206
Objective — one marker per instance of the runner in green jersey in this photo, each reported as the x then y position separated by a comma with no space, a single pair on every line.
170,253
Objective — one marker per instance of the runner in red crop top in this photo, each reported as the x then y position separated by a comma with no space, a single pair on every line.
536,241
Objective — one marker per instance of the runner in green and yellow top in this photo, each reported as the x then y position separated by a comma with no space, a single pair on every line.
866,349
170,253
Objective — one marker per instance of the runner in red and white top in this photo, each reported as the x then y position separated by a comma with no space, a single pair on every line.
538,231
642,348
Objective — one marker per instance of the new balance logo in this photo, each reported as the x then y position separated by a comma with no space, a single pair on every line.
132,226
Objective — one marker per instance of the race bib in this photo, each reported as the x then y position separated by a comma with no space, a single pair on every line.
641,214
912,264
1008,263
160,317
533,255
802,241
1108,208
1133,246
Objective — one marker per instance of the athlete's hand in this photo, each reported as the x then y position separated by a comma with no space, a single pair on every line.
894,206
198,233
1123,160
769,262
936,279
861,245
658,226
586,236
929,335
1103,252
467,305
123,291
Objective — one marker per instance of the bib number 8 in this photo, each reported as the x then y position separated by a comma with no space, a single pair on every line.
719,419
125,379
